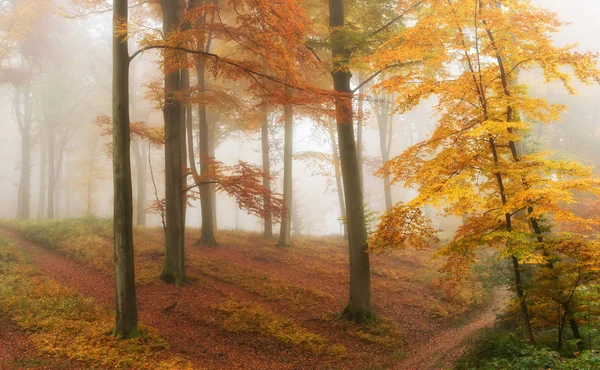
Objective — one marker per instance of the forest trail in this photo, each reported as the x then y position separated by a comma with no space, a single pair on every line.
443,351
189,319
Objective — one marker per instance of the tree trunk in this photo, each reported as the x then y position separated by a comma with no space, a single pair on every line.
126,307
51,169
266,162
296,222
173,268
141,168
515,260
359,133
186,111
139,157
208,232
43,177
286,218
384,123
24,122
359,304
338,180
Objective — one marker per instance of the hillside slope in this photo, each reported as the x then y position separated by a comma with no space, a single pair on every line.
251,305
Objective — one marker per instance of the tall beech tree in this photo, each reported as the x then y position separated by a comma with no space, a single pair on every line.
471,164
266,167
23,111
174,267
359,304
203,41
385,121
126,306
288,159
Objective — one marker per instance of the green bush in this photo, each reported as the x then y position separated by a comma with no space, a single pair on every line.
496,350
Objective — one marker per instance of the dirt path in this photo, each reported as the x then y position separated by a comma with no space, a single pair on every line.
443,351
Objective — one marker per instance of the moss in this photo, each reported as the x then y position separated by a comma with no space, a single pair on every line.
357,315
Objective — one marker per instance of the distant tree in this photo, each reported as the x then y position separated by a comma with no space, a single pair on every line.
288,156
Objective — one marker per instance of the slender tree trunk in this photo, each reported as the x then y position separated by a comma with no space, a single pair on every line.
206,198
359,303
141,168
24,122
384,123
266,162
338,180
126,307
173,268
58,185
515,260
139,157
186,111
359,134
43,176
286,218
51,169
296,222
211,154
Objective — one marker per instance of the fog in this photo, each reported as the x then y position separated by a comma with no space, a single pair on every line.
71,87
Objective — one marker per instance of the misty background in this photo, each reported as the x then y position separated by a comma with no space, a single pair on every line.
73,87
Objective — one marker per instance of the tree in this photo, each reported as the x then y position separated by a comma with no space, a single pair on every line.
288,157
174,267
359,303
385,121
23,111
471,164
126,306
266,167
203,42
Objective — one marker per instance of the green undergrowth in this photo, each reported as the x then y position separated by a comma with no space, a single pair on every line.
246,317
63,323
498,349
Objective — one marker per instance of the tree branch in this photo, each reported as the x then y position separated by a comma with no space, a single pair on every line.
395,19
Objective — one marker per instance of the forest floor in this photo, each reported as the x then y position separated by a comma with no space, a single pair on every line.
247,304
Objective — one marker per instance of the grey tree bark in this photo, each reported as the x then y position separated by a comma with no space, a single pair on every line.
266,164
126,320
286,218
338,180
385,125
43,175
359,304
51,136
173,268
206,196
23,113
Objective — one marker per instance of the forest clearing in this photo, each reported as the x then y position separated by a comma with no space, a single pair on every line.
299,184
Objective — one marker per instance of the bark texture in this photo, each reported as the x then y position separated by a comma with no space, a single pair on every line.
286,218
173,268
266,164
126,322
359,303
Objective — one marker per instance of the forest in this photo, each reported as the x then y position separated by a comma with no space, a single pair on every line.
299,184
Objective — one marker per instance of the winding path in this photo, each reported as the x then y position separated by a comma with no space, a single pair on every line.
443,351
